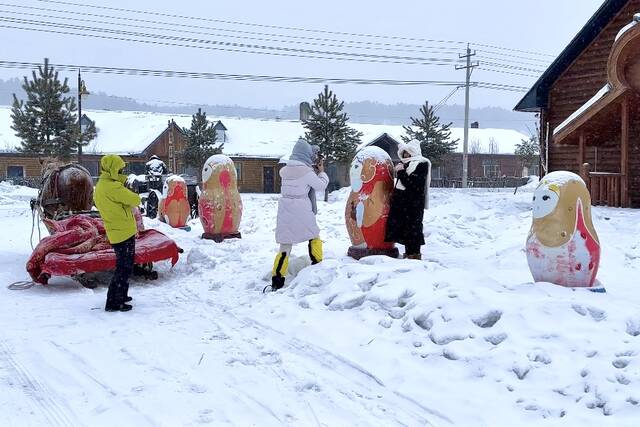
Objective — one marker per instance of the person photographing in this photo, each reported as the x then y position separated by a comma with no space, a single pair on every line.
115,203
301,178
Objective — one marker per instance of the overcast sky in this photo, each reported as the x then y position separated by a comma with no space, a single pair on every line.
543,26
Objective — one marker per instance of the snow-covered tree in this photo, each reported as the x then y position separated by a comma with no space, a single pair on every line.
435,138
327,127
45,122
201,141
528,151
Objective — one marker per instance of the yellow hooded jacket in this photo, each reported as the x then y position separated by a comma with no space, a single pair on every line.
115,201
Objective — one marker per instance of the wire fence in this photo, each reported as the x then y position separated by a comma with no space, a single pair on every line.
501,182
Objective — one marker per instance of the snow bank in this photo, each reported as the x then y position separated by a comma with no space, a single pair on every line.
10,193
462,338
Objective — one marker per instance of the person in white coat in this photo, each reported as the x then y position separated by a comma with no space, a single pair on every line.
301,178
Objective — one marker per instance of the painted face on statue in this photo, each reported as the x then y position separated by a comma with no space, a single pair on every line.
545,200
355,173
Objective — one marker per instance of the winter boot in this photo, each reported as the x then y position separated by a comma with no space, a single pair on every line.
315,251
118,307
414,256
280,268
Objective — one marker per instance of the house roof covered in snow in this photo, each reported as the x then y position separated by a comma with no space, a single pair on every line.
130,132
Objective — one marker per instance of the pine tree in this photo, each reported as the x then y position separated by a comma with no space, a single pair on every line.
327,127
200,142
46,122
434,137
528,151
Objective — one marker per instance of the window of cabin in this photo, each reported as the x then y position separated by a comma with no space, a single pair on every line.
15,171
491,168
239,171
91,166
221,135
436,173
137,168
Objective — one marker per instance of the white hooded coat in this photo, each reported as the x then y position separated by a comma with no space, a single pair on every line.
296,221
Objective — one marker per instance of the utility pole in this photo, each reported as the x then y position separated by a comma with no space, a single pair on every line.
82,90
465,146
79,118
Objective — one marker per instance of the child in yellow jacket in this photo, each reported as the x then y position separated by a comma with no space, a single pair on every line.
115,203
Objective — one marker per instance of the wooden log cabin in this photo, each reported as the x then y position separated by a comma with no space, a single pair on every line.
588,104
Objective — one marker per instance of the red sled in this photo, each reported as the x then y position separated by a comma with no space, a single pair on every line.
79,246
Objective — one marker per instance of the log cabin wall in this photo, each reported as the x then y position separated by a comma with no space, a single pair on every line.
579,83
634,155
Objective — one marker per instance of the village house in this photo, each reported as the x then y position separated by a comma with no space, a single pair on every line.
256,146
588,105
492,161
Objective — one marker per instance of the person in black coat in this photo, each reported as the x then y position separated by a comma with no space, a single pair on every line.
404,224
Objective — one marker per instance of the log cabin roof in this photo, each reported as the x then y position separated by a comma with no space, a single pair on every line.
537,96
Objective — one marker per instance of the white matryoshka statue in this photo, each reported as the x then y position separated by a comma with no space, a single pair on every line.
368,204
563,247
220,205
174,206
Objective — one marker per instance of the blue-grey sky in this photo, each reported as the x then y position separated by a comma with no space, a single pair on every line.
544,26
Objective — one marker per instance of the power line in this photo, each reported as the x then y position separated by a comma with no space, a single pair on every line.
378,36
249,77
509,66
314,41
220,45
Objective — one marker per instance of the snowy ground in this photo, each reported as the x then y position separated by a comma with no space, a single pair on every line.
463,338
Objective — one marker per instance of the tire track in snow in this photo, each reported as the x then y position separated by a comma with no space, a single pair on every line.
41,396
330,364
88,371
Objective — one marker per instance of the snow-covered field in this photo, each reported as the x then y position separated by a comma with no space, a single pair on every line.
462,338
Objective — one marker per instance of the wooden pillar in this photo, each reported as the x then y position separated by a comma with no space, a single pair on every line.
581,144
624,154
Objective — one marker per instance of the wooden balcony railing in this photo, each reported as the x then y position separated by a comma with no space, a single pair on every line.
605,189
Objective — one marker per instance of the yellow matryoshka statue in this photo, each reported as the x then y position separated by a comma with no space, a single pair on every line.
562,246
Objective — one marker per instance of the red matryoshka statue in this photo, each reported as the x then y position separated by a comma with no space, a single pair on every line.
174,206
220,205
368,204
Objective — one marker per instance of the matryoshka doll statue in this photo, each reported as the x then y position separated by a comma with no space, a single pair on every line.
174,205
562,246
368,204
220,205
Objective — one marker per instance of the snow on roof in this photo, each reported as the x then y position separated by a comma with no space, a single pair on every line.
130,132
630,25
598,96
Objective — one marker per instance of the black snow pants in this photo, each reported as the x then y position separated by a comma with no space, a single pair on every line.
119,287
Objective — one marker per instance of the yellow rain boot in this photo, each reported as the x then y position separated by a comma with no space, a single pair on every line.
280,267
315,251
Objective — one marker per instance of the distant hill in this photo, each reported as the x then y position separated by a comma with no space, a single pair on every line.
360,112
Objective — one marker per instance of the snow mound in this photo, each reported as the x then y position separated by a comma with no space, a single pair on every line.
219,159
560,178
372,152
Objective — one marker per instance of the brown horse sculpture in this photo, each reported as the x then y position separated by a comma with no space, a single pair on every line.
66,188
